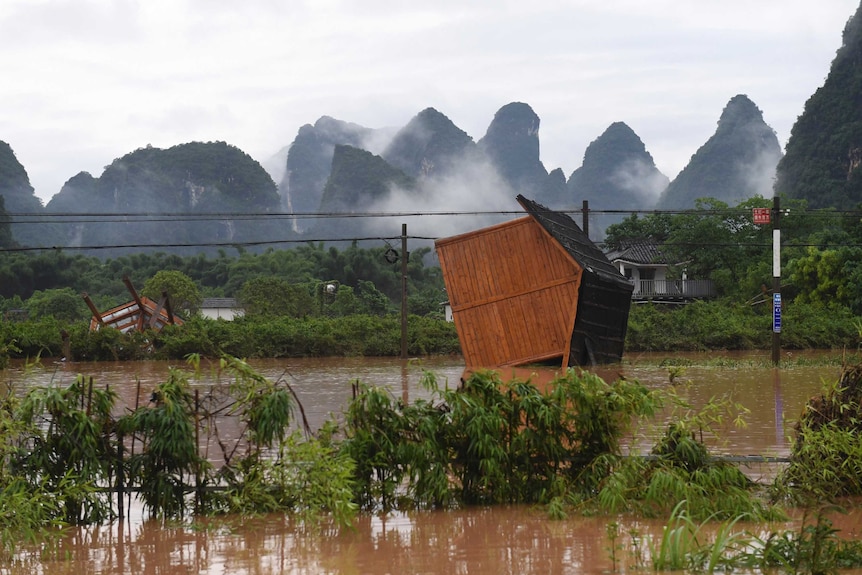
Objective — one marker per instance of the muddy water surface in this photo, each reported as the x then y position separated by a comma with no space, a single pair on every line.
498,540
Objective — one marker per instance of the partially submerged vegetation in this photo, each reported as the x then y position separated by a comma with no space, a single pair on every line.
723,325
68,460
826,457
696,327
250,337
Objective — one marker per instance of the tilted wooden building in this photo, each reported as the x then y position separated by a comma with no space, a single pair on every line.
140,314
534,290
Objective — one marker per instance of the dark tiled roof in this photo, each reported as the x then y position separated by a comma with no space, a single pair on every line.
578,245
644,253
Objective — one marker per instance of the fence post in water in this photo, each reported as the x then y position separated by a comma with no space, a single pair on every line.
137,405
90,396
121,490
197,446
120,474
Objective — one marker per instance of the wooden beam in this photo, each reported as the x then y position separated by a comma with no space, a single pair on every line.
137,299
157,312
93,308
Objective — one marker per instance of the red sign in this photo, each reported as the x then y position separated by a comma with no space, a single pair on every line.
761,215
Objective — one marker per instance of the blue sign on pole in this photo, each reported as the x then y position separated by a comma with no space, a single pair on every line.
776,313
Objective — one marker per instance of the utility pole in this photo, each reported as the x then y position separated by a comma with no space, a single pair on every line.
776,281
585,218
404,257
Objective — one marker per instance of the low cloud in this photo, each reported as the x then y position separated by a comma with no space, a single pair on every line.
463,196
641,179
759,175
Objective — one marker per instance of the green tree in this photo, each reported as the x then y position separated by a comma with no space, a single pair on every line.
62,304
273,296
656,227
821,276
184,293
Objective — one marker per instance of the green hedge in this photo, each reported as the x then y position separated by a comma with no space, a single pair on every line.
722,325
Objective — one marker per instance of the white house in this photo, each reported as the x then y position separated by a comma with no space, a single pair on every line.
221,308
647,268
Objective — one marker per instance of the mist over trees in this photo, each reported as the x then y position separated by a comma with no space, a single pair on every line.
618,173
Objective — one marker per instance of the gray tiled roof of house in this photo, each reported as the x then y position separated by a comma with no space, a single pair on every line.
219,303
644,253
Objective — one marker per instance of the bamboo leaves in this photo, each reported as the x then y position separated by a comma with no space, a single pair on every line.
490,441
167,429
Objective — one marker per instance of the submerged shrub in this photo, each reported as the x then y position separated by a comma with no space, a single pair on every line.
69,447
826,457
170,455
307,478
489,441
680,468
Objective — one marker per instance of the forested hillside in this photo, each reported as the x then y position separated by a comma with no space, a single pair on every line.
204,182
824,152
19,198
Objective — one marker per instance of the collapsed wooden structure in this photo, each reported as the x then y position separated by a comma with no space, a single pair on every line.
534,290
140,314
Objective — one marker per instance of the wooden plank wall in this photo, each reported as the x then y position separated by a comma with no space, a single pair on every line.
513,292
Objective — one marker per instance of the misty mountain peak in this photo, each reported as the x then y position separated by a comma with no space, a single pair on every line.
619,144
736,163
617,173
19,196
309,160
14,180
740,110
512,145
428,145
196,177
327,127
516,123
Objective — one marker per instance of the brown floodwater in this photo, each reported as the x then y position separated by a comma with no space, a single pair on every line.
498,540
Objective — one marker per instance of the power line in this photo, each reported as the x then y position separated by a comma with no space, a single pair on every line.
144,218
233,244
101,217
386,240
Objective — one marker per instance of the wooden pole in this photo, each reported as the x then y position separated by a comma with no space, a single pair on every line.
585,217
137,405
137,298
96,315
404,257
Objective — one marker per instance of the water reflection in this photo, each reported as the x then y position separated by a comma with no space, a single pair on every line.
494,541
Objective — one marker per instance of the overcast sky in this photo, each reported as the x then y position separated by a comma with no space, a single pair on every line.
85,82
